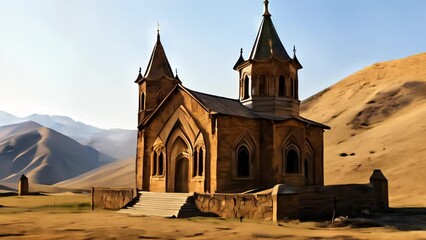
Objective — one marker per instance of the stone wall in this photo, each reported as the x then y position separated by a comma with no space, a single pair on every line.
112,198
252,206
347,200
311,202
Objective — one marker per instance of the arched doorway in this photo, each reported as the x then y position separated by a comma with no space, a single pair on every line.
181,175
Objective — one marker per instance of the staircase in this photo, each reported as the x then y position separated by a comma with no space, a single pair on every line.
163,205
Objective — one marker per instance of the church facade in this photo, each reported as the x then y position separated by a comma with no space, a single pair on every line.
190,141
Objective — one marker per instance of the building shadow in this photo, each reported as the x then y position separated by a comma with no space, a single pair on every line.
404,219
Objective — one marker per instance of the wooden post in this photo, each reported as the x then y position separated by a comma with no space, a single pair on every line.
93,196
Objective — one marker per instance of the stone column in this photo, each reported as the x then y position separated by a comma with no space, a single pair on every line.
23,186
380,185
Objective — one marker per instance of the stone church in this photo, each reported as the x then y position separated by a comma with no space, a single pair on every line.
190,141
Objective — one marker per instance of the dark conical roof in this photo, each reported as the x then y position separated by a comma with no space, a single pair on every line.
240,60
268,44
158,65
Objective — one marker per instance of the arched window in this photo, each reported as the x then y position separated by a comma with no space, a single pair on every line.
281,86
200,162
243,162
160,164
262,85
142,103
246,87
154,164
194,164
292,161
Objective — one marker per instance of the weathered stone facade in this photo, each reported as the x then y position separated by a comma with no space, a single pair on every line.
195,142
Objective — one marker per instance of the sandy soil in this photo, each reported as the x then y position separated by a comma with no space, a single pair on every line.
377,121
68,216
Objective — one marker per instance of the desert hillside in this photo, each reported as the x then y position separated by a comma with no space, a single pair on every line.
377,116
120,173
43,155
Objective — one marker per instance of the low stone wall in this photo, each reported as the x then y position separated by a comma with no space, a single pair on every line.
252,206
112,198
347,200
312,202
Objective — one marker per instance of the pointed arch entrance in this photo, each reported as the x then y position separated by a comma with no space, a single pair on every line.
181,174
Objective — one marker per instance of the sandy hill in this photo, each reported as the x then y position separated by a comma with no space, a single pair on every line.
117,143
44,155
120,173
377,117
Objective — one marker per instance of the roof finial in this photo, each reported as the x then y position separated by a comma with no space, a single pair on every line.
140,70
294,49
266,13
241,51
158,31
176,72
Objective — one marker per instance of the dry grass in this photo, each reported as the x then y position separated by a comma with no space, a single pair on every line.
68,216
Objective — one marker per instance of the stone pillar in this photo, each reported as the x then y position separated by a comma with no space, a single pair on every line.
380,185
23,186
285,203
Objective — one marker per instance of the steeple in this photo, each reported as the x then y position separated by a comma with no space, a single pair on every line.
158,66
157,81
268,44
269,77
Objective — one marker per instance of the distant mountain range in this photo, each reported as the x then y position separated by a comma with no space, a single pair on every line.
44,155
117,143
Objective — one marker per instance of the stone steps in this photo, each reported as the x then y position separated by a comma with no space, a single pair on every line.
163,205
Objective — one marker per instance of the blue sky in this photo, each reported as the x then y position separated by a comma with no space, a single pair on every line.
79,58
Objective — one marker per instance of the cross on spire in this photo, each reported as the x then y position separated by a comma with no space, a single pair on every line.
158,27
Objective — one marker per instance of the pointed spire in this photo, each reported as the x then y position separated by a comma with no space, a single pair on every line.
177,76
268,44
266,12
158,65
295,60
240,60
139,77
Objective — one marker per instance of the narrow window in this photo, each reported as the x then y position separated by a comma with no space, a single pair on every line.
262,85
154,164
142,103
160,164
194,164
281,86
291,88
292,158
200,162
243,162
246,88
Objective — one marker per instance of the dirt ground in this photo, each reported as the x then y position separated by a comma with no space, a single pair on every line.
68,216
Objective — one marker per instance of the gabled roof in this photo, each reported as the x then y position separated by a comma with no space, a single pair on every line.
268,44
158,65
231,107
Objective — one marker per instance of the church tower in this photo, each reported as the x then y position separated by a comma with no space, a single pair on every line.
156,83
269,79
